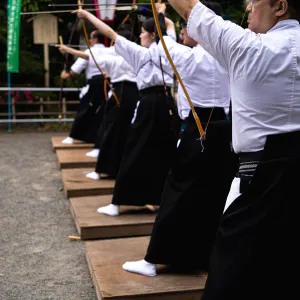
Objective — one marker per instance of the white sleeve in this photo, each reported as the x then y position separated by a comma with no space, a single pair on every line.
135,55
110,62
172,34
224,40
80,64
181,55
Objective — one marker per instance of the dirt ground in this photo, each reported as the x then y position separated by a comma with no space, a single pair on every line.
37,261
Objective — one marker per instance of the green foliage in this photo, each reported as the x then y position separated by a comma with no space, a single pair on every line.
26,65
60,126
31,56
34,5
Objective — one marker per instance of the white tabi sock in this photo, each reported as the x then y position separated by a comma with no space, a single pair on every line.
68,140
94,153
140,267
93,175
110,210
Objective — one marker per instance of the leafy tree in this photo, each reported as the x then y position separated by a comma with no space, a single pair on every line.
33,5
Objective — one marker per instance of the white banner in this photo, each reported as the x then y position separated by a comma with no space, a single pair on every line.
106,15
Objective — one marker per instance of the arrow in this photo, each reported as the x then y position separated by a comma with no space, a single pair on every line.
105,5
73,46
121,8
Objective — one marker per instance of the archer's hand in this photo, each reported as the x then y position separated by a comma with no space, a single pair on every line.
62,48
169,23
160,8
81,14
64,75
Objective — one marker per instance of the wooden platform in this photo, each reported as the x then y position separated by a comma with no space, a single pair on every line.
57,144
76,184
132,221
105,259
75,158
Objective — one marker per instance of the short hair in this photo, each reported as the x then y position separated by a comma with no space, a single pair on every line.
97,35
293,10
149,25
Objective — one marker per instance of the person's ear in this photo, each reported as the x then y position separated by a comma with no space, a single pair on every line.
153,36
282,8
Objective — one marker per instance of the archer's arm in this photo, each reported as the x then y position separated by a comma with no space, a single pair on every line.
101,26
227,42
64,49
183,7
134,54
167,25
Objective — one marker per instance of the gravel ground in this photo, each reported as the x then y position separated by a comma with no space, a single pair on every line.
37,261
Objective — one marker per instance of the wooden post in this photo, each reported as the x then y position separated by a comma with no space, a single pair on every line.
41,107
46,64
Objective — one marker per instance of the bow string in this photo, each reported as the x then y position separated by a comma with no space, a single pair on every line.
159,31
106,81
125,19
66,64
132,30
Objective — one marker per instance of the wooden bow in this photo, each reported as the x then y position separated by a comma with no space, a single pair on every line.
106,81
159,31
66,66
134,6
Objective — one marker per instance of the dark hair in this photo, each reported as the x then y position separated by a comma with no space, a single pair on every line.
97,35
293,10
149,25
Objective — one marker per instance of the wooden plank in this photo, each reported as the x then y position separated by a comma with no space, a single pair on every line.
75,158
106,257
57,144
76,184
132,221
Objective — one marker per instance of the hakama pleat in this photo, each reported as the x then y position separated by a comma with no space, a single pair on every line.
148,152
194,194
115,127
256,254
90,113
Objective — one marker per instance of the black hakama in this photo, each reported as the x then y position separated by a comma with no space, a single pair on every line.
115,127
256,253
148,153
91,110
194,194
